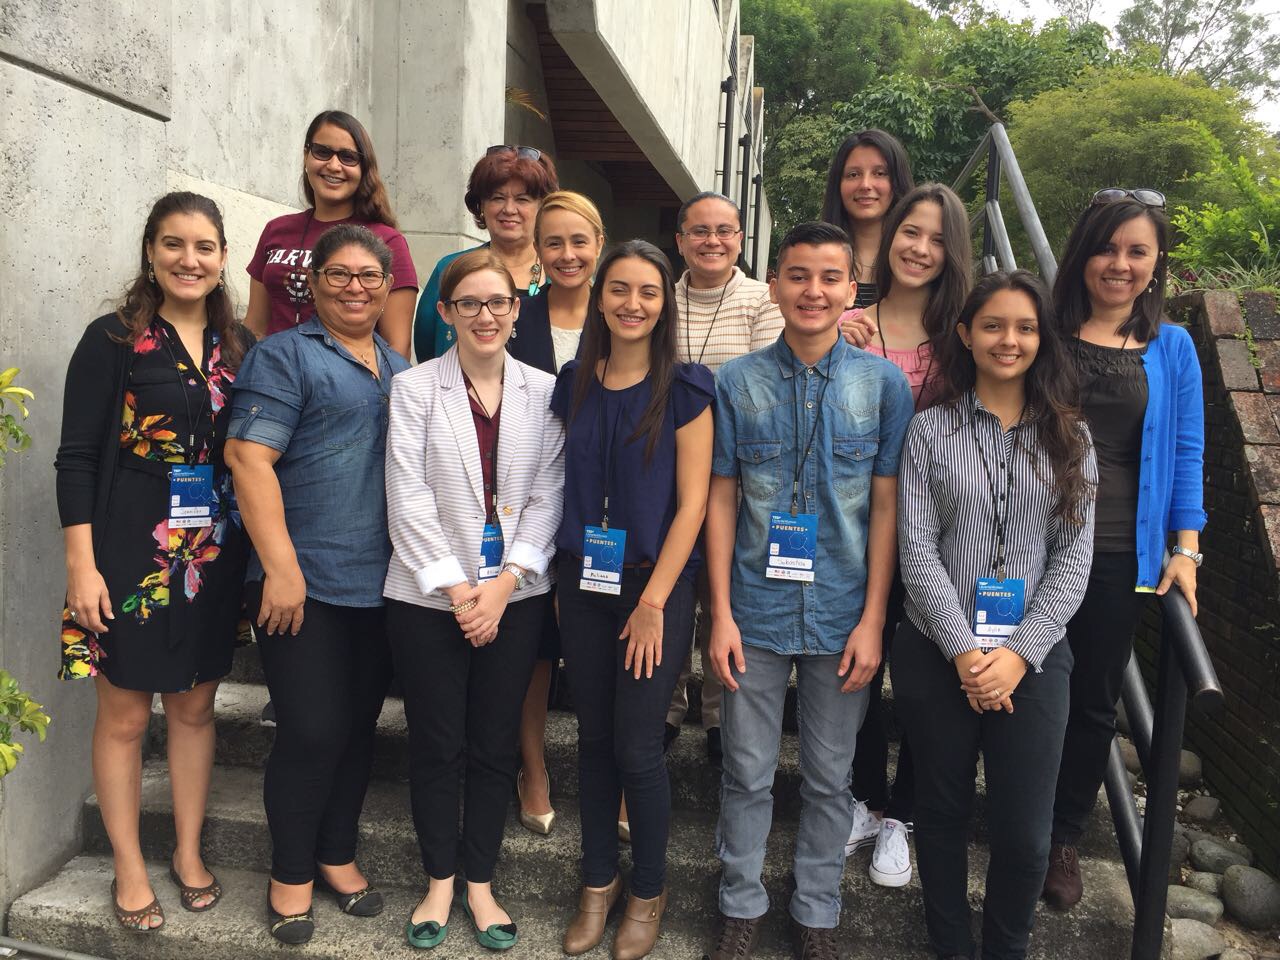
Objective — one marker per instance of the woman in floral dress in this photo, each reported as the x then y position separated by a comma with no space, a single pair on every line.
155,550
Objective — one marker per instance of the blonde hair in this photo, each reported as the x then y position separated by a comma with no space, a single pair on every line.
573,203
473,261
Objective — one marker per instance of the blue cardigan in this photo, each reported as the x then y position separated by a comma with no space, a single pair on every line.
1171,475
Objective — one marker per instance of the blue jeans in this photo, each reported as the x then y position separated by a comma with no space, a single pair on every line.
751,725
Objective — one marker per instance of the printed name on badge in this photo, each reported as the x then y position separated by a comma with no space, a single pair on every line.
602,554
793,547
490,552
997,609
191,496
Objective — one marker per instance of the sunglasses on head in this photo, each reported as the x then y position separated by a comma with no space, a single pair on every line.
323,154
524,153
1144,195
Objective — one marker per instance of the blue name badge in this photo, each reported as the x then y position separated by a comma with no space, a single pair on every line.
191,498
997,609
490,552
602,555
793,546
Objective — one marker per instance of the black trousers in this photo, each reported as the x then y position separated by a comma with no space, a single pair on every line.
327,684
1101,638
620,723
1020,753
870,781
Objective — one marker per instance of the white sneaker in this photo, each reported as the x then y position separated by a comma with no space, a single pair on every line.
866,827
891,861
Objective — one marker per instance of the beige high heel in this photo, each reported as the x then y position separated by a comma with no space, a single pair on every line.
540,823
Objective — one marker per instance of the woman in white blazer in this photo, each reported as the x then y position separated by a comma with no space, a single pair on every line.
475,493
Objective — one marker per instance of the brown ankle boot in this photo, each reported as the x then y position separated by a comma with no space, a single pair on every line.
638,931
1063,885
587,928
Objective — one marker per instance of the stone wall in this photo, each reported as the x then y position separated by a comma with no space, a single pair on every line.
1239,593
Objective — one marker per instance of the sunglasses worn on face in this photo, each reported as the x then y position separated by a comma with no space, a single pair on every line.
524,153
1144,195
323,154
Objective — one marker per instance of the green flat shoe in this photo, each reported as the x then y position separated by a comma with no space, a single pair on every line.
425,935
496,936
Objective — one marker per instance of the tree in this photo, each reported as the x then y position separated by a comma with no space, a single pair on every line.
1222,40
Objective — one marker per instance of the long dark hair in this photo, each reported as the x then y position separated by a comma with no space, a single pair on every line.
370,202
895,158
597,341
1051,388
142,298
1092,232
947,291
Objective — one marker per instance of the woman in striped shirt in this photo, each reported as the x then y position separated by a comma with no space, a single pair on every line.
995,528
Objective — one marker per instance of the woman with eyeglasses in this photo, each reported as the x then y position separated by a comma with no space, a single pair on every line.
341,184
1140,390
306,448
475,491
505,189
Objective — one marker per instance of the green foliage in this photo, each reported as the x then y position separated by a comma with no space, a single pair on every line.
1130,127
1237,245
13,438
17,709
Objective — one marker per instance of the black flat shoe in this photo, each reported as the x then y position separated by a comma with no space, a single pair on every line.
292,928
363,903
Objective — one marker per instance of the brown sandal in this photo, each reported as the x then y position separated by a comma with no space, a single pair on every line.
138,920
191,894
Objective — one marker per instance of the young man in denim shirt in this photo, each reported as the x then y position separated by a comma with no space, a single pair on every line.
808,431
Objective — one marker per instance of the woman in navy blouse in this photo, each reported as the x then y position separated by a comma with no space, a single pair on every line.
639,431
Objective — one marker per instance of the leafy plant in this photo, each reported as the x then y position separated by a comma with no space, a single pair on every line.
1234,245
13,438
17,708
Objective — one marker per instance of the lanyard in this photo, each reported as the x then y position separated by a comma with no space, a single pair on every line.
492,516
606,452
688,345
802,459
1001,522
186,397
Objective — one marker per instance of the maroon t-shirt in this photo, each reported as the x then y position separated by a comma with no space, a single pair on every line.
284,255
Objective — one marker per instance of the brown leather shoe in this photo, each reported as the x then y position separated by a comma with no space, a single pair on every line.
638,931
813,943
737,939
1063,885
587,928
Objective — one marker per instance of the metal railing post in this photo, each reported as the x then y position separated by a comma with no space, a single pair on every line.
728,87
993,196
758,182
1124,811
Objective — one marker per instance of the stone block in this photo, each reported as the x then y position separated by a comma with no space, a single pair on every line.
1259,311
1190,769
1251,897
1269,357
1188,904
1215,856
1238,371
1210,883
1264,468
1202,809
1223,310
1256,420
1235,953
1193,940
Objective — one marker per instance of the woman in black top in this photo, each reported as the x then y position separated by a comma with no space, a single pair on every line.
155,551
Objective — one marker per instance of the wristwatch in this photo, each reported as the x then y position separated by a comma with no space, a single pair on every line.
517,572
1196,558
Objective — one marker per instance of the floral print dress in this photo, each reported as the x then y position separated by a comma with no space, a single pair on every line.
175,591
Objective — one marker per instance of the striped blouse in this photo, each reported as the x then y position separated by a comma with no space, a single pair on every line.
720,323
947,528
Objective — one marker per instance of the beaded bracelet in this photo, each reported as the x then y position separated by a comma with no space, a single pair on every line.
464,606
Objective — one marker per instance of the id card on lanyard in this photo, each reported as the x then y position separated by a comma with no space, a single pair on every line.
491,542
999,602
192,498
604,548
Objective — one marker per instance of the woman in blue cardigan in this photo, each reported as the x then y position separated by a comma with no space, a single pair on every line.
1140,391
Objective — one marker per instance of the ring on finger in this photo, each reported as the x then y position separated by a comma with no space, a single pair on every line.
74,616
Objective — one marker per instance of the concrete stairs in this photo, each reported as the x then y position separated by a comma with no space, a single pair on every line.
537,877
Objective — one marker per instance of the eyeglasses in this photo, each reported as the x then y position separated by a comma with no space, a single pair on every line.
468,308
1144,195
348,158
524,153
705,233
340,277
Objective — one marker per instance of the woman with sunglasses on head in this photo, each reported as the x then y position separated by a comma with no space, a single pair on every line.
995,526
341,183
568,237
1140,390
505,189
468,588
639,434
306,447
922,273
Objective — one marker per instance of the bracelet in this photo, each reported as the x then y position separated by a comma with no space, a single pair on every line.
648,604
464,606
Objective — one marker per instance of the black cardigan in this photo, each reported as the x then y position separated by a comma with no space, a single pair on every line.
531,340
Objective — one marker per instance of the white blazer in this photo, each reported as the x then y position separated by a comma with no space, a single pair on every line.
435,489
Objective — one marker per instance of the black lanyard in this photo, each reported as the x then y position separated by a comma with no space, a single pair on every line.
492,516
1001,522
186,397
802,459
606,452
688,345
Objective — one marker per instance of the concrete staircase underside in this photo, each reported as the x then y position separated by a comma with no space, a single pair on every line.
537,877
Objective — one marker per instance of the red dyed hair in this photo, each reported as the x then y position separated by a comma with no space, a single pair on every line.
495,169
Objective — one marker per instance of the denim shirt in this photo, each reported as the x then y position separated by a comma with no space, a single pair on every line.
302,393
864,414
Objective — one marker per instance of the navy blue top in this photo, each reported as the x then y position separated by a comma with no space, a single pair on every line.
302,393
531,341
642,496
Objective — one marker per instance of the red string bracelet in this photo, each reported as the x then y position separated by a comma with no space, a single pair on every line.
648,604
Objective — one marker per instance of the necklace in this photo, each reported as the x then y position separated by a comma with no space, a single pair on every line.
535,275
688,345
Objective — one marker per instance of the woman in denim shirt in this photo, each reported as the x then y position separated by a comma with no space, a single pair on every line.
306,448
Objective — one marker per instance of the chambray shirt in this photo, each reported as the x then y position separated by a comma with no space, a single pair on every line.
302,393
864,416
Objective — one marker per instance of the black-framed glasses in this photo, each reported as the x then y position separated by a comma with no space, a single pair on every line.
524,153
1144,195
340,277
323,154
721,232
468,307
